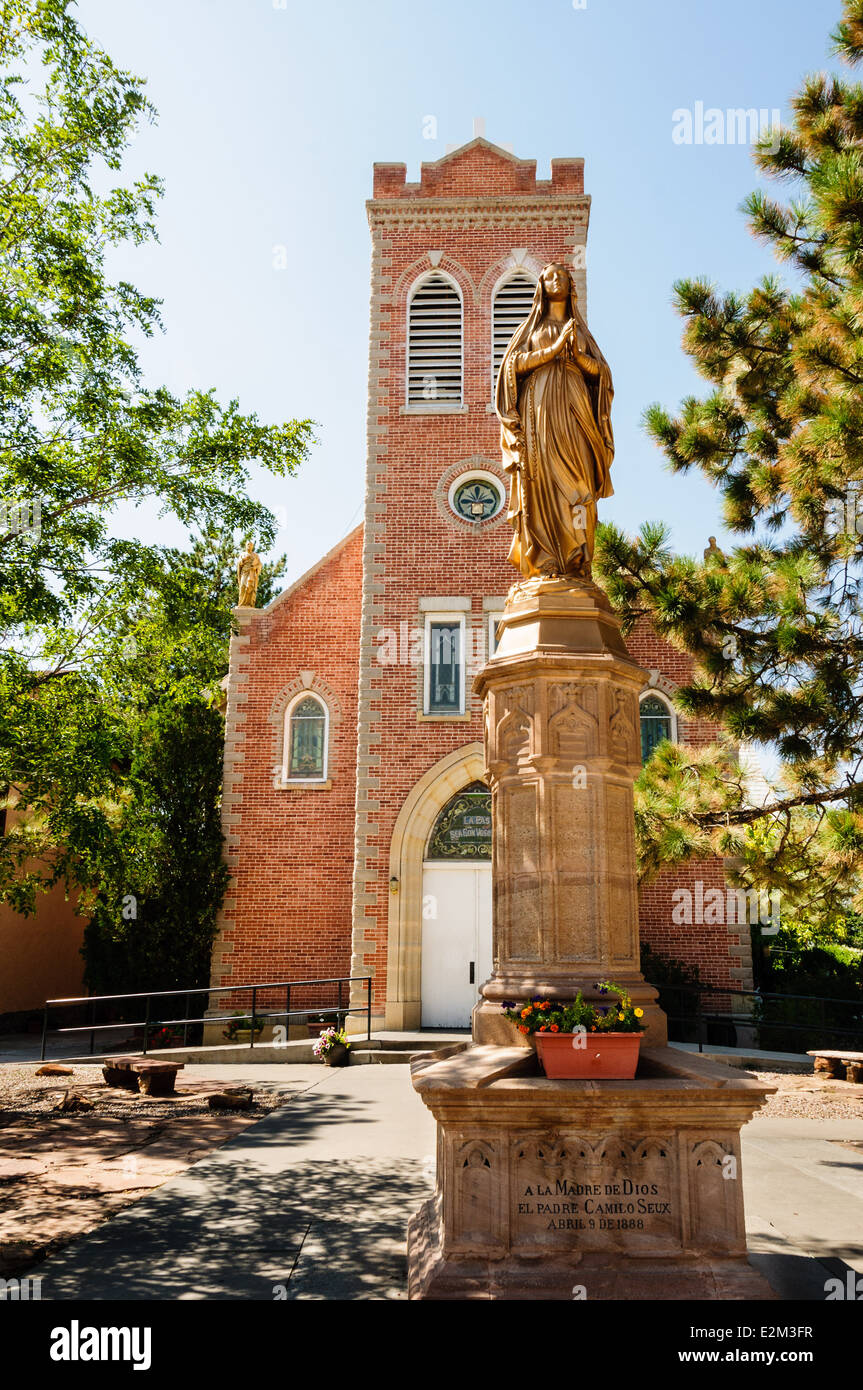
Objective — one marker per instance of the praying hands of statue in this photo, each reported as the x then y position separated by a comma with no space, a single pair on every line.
565,342
529,361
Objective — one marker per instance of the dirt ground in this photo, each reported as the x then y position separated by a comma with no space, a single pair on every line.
61,1174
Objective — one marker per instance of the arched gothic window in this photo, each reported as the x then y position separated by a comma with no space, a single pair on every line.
512,301
657,723
306,729
435,343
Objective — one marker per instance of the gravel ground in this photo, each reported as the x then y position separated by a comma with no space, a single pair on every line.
24,1096
803,1096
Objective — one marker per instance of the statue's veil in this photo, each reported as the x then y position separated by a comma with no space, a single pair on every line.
506,393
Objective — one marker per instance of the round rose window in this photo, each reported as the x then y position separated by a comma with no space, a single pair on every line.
476,498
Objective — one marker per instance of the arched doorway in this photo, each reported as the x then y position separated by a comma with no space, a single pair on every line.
456,909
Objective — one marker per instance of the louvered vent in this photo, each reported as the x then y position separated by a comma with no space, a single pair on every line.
434,344
511,307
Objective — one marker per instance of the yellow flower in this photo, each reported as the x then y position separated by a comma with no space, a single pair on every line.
639,1013
621,1017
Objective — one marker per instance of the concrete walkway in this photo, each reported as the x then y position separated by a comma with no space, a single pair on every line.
312,1203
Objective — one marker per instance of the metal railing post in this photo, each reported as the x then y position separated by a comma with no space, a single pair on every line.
252,1031
287,1013
44,1033
92,1025
368,1008
340,1015
186,1022
146,1024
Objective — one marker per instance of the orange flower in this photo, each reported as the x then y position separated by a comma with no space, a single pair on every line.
555,1028
523,1029
545,1004
543,1028
525,1012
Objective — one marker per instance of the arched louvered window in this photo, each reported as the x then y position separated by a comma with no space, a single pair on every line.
435,343
512,302
657,723
306,740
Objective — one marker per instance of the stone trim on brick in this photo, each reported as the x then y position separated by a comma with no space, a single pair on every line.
413,826
413,276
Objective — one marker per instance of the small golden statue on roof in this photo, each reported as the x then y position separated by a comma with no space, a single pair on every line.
248,573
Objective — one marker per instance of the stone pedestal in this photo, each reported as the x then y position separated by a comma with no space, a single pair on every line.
562,752
574,1189
583,1189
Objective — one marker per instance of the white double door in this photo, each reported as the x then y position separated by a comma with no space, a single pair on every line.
456,940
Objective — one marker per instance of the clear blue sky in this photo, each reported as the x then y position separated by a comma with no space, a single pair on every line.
270,120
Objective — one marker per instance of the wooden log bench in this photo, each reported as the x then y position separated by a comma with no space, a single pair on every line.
843,1065
142,1074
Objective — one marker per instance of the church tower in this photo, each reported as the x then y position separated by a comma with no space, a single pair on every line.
455,261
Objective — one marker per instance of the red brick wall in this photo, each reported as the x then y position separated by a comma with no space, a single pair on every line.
288,910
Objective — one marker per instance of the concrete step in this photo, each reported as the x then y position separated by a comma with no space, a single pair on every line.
385,1052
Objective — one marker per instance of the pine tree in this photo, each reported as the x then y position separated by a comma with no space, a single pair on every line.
774,621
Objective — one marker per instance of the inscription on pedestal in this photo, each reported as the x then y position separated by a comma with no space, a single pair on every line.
595,1196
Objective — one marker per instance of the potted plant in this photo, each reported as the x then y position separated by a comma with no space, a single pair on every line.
580,1039
240,1028
165,1037
332,1048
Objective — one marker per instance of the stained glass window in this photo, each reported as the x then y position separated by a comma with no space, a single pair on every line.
463,828
476,499
306,737
655,724
445,668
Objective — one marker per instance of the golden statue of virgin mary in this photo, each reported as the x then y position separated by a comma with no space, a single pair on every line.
553,399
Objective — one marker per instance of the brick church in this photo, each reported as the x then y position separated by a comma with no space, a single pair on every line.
356,818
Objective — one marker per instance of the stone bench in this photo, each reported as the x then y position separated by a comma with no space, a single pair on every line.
833,1063
151,1078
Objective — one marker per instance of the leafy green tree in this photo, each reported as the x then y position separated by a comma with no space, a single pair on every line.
774,623
97,631
161,876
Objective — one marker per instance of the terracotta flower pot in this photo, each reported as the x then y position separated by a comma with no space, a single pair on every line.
338,1056
610,1056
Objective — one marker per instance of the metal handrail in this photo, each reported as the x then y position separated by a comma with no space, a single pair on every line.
341,1010
701,1017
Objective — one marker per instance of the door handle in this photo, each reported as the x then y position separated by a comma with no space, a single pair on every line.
472,972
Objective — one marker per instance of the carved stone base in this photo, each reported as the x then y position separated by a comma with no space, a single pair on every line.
617,1189
562,751
577,1278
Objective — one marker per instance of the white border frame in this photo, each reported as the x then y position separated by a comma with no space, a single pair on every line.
431,407
485,476
454,618
494,617
286,779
